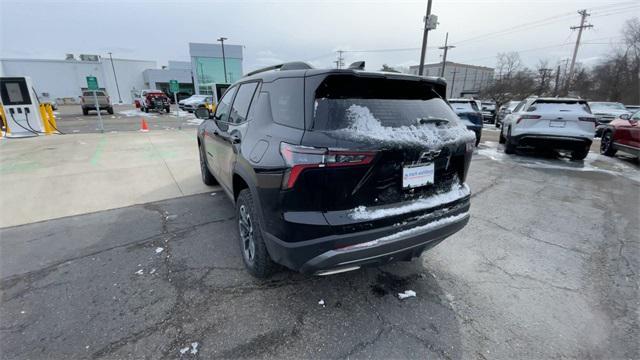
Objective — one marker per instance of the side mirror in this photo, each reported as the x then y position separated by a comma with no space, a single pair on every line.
625,116
202,113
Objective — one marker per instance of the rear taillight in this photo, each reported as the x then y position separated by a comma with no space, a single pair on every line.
527,117
588,119
298,158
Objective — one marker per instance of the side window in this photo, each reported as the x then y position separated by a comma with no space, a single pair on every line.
222,111
286,98
242,102
520,106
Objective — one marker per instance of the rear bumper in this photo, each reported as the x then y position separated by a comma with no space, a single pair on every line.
379,246
551,141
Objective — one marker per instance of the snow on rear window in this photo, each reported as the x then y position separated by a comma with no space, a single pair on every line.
364,125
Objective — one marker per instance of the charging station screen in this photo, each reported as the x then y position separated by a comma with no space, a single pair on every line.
14,91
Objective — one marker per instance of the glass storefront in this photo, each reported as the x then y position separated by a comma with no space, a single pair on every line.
210,71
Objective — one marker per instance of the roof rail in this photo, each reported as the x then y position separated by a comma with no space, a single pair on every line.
294,65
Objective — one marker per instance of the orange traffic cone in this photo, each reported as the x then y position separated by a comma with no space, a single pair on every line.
144,127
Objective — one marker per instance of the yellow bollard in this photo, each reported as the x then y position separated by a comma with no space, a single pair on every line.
3,117
52,117
45,122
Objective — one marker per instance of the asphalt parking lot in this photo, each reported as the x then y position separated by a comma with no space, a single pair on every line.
547,268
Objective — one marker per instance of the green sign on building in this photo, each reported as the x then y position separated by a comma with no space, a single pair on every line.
174,87
92,83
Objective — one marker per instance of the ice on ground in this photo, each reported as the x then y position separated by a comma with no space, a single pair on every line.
159,250
364,125
213,194
194,348
408,232
152,271
135,112
170,217
321,302
183,113
455,193
184,350
139,272
406,294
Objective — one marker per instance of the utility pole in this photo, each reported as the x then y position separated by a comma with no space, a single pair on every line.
224,61
425,35
115,77
583,18
340,61
446,49
556,87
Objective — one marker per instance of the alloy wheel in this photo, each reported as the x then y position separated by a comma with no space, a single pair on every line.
246,234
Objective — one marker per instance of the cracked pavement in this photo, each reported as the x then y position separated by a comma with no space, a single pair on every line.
546,268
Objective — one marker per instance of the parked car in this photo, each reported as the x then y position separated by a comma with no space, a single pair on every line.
45,98
605,112
489,112
154,100
333,170
505,110
622,134
194,102
470,114
88,101
550,123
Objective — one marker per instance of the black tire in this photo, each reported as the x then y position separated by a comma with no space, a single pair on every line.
252,247
501,138
110,110
509,147
167,109
85,111
207,177
606,144
580,154
145,109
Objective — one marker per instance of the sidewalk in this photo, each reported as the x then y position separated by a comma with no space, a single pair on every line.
61,175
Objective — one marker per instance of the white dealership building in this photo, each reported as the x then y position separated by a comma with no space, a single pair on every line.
63,80
463,80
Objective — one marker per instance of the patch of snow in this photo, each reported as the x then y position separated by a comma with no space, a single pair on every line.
212,194
139,272
195,122
455,193
134,112
321,302
159,250
408,232
406,294
75,131
22,312
152,271
184,350
364,125
194,348
170,217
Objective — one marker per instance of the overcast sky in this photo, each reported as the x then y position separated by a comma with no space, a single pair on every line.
274,31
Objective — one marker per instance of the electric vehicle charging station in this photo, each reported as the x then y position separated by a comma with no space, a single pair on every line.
20,106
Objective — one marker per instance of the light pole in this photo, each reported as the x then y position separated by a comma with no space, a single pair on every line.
224,61
116,78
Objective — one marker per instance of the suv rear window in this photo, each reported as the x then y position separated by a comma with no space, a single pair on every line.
559,106
464,105
90,93
394,103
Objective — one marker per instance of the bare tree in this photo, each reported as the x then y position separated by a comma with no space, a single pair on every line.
508,64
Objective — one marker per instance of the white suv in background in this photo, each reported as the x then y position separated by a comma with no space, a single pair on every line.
550,123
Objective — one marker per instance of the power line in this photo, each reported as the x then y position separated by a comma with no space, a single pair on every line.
583,17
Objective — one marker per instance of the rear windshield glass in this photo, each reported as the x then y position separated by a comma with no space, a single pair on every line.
393,103
607,106
90,93
464,106
559,106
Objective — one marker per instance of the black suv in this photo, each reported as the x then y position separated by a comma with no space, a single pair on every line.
331,170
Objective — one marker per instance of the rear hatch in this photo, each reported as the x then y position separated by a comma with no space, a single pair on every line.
89,99
566,117
392,146
468,112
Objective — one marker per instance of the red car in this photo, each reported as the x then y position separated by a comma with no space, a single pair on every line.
622,134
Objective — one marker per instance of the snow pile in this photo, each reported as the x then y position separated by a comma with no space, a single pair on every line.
193,351
408,232
406,294
159,250
364,125
455,193
194,121
321,302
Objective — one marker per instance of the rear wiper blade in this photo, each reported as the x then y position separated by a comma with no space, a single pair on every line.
437,121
